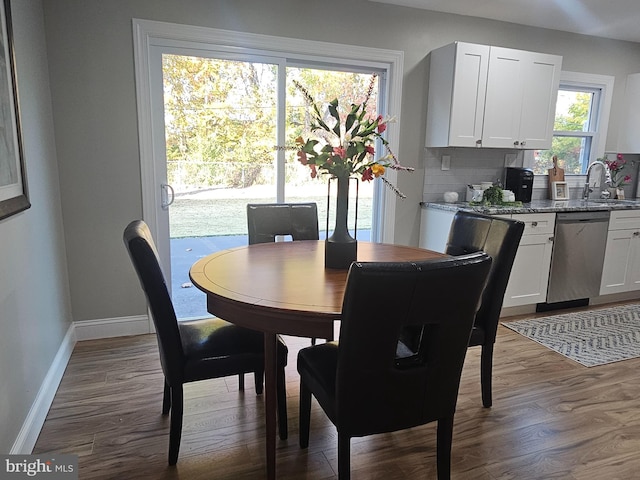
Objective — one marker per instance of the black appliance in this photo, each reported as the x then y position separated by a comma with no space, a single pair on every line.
520,182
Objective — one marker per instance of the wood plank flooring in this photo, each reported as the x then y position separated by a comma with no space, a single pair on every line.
551,418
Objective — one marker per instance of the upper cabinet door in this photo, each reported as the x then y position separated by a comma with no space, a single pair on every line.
503,107
522,88
469,90
629,140
457,87
541,80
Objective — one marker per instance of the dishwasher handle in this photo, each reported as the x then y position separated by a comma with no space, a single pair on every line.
574,217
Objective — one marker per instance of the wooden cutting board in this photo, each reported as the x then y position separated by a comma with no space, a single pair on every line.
556,174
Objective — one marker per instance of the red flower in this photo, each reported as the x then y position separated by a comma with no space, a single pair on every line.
381,126
314,172
341,151
367,175
369,149
302,157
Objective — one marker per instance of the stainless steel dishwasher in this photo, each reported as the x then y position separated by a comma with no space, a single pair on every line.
578,256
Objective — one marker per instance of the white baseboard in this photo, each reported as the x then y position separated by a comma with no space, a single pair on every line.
81,330
32,425
112,327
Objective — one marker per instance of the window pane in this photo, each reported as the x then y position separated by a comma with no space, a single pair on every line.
573,111
572,153
576,111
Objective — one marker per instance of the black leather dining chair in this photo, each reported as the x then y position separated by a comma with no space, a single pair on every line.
265,221
196,349
360,382
499,238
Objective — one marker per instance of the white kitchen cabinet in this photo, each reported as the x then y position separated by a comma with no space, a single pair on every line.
629,140
434,228
530,272
482,96
621,270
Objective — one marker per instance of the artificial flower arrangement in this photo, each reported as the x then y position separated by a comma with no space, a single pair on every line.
346,143
618,179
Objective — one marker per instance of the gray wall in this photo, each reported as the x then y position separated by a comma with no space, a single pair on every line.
35,310
92,82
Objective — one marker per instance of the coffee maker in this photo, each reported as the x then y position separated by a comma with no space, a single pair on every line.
520,182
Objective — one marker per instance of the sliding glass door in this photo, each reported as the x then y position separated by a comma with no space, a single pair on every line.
228,125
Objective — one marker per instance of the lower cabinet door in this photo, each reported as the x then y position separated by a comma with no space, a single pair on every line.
530,272
618,262
634,262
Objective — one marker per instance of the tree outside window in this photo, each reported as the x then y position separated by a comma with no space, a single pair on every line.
575,126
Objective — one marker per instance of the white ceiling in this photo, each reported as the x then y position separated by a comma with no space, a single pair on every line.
617,19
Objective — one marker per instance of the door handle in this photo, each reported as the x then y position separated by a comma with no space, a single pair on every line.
167,195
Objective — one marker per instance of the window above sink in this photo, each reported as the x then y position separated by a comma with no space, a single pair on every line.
580,128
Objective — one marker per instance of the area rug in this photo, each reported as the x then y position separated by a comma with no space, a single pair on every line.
591,338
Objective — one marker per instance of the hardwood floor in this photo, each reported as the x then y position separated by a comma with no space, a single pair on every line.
551,418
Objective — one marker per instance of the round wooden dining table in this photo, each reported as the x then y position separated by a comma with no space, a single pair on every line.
283,288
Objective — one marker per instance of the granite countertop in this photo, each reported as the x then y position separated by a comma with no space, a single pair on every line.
541,206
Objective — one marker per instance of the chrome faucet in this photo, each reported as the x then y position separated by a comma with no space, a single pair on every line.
587,188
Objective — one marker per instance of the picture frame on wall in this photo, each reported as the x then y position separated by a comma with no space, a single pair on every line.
14,195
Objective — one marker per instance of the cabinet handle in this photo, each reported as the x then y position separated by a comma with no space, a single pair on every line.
551,239
534,224
636,234
523,143
479,142
516,143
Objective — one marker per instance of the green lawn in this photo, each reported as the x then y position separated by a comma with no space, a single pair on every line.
203,217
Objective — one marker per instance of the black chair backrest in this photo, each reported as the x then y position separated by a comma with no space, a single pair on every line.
144,256
375,392
499,238
267,220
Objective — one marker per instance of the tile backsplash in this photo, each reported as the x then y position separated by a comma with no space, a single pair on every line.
467,166
473,166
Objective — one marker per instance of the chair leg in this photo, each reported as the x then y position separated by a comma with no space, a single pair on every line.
166,398
305,415
258,380
281,387
443,442
175,432
313,341
486,367
344,457
241,382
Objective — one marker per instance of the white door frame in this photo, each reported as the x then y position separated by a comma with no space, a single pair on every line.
148,35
